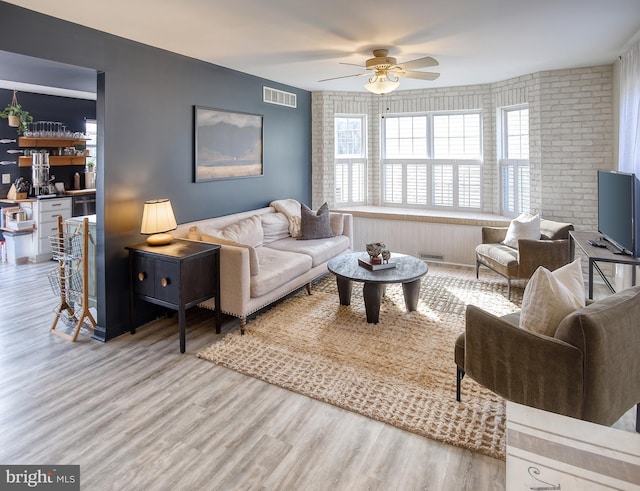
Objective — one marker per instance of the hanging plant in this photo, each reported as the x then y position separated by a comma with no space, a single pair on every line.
18,118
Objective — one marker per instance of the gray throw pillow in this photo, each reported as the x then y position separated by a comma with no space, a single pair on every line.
315,225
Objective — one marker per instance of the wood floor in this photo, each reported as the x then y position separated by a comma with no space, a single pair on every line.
135,414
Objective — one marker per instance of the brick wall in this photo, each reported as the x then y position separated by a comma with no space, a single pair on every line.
576,139
571,135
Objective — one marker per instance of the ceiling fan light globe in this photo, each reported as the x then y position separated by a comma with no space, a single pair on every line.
382,84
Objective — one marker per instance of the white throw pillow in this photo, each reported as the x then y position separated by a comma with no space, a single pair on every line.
275,226
550,296
248,231
524,226
291,208
254,263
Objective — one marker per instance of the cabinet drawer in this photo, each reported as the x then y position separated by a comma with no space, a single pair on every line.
156,278
46,205
167,279
52,215
45,229
143,276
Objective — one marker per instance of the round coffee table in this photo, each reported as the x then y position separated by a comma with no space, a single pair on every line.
408,270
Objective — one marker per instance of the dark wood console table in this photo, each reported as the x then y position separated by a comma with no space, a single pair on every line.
599,254
177,276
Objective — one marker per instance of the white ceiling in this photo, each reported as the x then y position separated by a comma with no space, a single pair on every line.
299,42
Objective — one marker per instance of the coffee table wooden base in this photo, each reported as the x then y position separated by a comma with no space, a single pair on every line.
407,270
373,293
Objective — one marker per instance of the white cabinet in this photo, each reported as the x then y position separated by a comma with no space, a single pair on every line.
45,214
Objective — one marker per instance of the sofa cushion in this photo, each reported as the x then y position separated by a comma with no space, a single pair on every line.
254,265
336,221
524,226
320,250
550,296
499,257
276,269
275,226
315,225
247,231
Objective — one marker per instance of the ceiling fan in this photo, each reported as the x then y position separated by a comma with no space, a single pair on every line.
384,71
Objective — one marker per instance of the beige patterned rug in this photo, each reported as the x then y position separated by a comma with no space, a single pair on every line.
400,371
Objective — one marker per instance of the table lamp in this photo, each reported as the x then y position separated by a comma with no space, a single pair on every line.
157,221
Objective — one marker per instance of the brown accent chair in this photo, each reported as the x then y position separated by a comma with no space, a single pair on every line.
589,370
551,251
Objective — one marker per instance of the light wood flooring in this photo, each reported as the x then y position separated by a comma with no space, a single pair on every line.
136,414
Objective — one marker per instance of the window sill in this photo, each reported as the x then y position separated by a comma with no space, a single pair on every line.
432,216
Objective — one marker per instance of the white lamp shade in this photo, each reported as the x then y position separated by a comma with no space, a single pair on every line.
158,217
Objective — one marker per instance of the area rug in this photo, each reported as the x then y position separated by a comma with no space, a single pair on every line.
400,371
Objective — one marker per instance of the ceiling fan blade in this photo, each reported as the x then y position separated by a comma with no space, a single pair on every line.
353,64
420,75
345,76
425,62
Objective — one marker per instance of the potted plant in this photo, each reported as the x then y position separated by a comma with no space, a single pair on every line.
18,117
90,175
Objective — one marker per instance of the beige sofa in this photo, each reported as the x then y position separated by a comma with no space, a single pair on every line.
268,264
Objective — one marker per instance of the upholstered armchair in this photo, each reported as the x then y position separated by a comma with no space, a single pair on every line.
590,368
550,251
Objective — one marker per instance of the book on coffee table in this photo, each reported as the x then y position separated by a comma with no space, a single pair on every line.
375,267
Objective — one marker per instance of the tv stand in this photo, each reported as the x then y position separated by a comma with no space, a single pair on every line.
597,253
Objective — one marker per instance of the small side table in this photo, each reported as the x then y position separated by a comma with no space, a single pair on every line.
177,276
599,254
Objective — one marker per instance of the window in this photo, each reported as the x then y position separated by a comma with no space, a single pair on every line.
406,137
514,161
91,130
456,136
350,159
432,160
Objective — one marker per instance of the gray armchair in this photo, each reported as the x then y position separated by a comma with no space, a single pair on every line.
551,251
589,370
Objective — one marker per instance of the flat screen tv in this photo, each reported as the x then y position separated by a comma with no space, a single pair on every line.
618,203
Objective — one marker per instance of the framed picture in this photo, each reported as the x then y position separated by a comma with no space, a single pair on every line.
227,144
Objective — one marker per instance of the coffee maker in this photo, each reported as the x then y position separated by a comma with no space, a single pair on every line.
40,174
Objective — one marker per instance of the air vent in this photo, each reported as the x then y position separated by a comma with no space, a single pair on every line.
279,97
431,257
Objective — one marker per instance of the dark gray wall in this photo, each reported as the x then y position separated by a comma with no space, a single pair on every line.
145,111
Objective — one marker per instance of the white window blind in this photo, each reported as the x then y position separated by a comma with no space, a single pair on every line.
350,159
393,183
469,186
443,185
417,184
